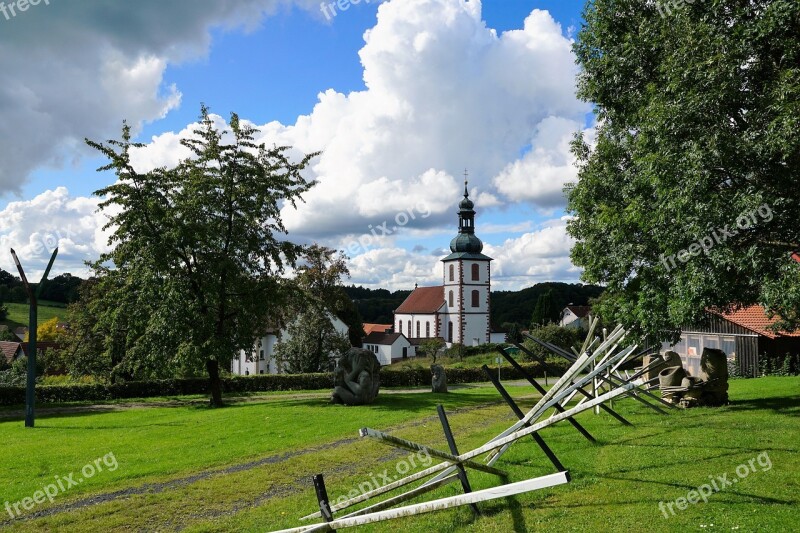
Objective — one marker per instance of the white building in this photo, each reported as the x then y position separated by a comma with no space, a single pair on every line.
388,347
458,310
261,360
575,316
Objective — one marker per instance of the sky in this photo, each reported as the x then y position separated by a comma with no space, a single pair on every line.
400,96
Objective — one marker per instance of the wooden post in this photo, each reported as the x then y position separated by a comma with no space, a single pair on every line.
322,498
451,443
518,412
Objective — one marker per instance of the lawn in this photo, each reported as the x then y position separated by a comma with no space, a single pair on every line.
18,313
247,467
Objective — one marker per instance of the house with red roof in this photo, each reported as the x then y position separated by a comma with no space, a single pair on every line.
745,334
388,347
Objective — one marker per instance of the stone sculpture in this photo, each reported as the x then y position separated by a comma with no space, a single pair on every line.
356,378
438,379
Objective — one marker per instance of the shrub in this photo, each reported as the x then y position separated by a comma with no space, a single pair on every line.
94,392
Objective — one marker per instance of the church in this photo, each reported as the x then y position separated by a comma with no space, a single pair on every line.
457,310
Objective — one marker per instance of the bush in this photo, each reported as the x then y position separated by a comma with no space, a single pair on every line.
244,384
564,338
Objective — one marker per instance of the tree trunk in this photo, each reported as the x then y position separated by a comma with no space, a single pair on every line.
215,384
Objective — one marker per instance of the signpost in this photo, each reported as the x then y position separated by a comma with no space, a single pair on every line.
30,397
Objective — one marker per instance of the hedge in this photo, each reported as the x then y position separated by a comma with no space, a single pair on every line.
240,384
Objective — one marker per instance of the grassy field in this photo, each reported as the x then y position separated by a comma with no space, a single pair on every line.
247,467
18,313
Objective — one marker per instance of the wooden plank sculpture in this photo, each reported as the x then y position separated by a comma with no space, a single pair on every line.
597,361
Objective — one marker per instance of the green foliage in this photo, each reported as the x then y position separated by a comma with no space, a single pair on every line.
518,306
565,338
546,311
312,344
431,347
513,332
8,335
197,259
788,365
699,125
95,392
17,374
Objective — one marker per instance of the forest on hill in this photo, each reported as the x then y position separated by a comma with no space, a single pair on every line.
377,305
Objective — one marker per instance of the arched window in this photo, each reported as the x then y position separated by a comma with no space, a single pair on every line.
427,330
417,328
450,299
476,296
452,272
409,328
400,323
449,332
476,275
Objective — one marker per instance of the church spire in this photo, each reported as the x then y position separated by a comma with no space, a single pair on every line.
466,241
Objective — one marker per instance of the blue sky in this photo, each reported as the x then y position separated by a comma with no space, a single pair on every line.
270,64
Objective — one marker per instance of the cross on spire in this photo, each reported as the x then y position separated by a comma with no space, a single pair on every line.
466,181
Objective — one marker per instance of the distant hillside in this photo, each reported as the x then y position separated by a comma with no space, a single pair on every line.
377,305
517,306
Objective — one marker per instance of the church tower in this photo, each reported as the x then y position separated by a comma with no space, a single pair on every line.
467,283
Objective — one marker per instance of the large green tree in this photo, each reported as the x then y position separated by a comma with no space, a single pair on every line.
690,197
198,250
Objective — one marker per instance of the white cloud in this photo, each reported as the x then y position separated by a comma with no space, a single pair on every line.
541,175
73,70
444,92
534,257
35,227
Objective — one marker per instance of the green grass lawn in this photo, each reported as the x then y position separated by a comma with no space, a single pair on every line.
247,467
18,313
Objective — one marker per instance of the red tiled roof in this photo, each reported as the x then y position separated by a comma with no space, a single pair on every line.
423,300
382,338
755,319
380,328
9,349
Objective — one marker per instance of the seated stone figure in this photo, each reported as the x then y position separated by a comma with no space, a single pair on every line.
357,378
438,378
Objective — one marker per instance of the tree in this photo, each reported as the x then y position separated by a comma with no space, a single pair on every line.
311,337
197,258
565,338
430,347
545,311
513,332
311,343
48,331
8,336
689,200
